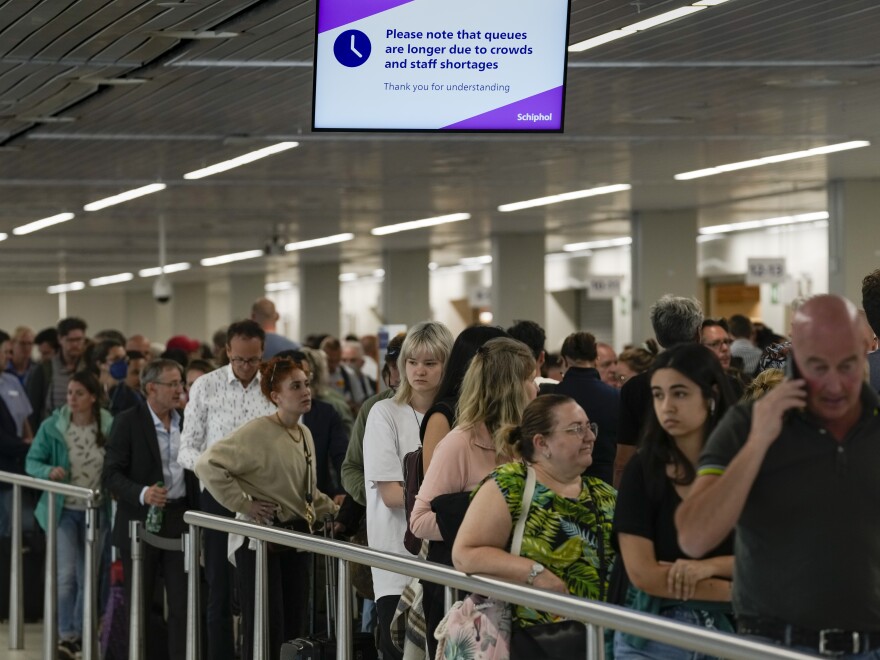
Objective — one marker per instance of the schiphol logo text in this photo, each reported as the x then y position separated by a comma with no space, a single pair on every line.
535,118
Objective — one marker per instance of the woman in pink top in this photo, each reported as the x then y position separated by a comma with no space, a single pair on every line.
497,386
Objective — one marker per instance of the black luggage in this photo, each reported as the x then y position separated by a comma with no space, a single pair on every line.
318,648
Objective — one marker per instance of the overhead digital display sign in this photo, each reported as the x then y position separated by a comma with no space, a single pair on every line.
454,65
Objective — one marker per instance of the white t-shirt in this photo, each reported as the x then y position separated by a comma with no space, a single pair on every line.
392,432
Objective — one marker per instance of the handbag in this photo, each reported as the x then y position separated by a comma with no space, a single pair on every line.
413,475
563,639
479,627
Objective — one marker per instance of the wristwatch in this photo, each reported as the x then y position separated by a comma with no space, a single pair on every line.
537,569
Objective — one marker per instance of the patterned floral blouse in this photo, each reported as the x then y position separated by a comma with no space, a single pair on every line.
571,538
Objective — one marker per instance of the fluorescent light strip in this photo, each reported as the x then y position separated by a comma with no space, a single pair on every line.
64,288
641,26
348,277
767,160
111,279
564,197
596,245
420,224
240,160
37,225
769,222
170,268
278,286
318,242
229,258
124,197
476,261
3,235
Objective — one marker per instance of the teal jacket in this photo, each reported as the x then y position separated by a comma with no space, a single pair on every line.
49,450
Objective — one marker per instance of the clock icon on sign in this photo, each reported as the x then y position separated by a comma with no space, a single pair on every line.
352,48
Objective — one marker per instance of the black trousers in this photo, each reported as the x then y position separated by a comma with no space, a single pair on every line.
170,567
386,607
219,576
288,580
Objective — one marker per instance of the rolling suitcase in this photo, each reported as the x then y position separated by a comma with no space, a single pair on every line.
317,648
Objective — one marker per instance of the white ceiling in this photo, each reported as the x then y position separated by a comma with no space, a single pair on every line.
745,79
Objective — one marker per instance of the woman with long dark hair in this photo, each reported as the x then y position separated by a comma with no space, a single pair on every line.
69,447
690,393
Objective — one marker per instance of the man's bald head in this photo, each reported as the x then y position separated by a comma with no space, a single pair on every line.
829,348
263,312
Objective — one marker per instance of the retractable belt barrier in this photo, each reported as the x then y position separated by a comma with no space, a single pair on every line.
92,499
594,615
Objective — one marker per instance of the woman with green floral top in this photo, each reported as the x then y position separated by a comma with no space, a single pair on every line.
566,546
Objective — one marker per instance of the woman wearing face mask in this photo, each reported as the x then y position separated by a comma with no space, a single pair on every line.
69,447
690,393
392,432
111,362
265,472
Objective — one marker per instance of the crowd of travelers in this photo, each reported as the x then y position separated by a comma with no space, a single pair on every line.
719,474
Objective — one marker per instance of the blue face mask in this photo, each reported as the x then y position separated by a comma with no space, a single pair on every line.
119,370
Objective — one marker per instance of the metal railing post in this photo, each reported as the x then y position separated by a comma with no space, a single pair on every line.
136,614
16,581
90,578
192,552
595,642
50,585
448,598
344,642
261,602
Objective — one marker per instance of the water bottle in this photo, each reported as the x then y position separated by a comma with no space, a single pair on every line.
155,515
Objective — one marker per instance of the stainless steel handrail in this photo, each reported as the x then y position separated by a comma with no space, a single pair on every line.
50,595
592,613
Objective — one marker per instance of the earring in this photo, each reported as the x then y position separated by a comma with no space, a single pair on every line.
547,454
711,406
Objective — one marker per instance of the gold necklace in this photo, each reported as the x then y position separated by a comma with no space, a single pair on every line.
287,430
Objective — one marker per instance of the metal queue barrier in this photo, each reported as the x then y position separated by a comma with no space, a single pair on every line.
50,597
188,544
595,615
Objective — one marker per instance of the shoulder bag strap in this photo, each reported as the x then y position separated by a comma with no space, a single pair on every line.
528,493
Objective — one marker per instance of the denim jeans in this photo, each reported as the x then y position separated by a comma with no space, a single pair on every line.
71,545
655,650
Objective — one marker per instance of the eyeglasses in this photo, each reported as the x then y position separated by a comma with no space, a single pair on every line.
251,362
580,430
715,345
174,384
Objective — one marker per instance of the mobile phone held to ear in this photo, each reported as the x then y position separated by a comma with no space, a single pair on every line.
791,369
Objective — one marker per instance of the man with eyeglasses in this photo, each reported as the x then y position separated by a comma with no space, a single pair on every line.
220,402
47,388
141,470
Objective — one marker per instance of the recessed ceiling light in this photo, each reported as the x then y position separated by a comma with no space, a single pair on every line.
597,245
170,268
229,258
240,160
37,225
193,34
768,160
768,222
124,197
95,80
564,197
419,224
318,242
64,288
111,279
641,26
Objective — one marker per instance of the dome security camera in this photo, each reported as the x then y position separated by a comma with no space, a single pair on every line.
162,290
